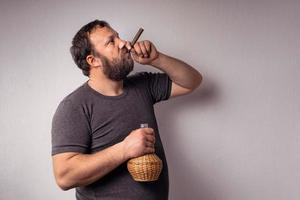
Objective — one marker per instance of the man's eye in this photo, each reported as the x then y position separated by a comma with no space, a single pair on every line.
111,42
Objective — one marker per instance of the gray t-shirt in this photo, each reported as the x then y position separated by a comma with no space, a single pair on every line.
87,121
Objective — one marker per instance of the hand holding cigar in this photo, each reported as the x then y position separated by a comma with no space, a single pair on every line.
143,52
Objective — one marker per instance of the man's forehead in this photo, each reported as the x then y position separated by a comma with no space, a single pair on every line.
100,34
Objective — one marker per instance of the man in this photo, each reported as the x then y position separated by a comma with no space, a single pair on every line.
95,129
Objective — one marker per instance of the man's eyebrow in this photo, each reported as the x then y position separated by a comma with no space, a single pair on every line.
110,38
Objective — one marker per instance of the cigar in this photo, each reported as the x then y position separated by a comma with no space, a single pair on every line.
137,36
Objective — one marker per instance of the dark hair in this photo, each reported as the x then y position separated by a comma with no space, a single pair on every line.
82,47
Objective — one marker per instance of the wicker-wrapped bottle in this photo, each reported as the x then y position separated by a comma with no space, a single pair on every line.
145,168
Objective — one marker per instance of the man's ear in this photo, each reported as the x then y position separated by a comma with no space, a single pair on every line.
93,61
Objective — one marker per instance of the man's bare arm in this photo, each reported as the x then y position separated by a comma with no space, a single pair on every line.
73,169
184,77
180,72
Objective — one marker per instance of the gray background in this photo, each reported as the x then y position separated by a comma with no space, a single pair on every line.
234,138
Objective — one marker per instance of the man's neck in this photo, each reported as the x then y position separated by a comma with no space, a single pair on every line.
106,86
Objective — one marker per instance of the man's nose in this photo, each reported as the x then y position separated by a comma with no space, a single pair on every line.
124,43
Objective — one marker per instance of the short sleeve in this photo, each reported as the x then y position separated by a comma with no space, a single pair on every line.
70,129
159,85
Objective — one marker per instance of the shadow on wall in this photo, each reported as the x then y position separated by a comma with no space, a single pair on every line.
187,182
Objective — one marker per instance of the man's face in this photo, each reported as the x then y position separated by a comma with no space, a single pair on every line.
116,59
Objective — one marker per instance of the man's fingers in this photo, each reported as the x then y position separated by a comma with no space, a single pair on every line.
149,144
149,131
142,51
137,49
150,138
143,48
148,46
149,150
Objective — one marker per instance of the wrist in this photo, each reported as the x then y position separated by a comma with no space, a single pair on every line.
122,151
156,62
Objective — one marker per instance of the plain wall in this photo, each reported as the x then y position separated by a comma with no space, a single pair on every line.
235,138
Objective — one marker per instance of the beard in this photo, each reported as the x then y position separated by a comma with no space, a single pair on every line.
119,68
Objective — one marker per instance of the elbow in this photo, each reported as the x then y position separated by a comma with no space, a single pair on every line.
198,81
64,171
64,184
63,181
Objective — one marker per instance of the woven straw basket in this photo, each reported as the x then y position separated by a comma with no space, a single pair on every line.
145,168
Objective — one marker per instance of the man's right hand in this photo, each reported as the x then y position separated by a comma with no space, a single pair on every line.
139,142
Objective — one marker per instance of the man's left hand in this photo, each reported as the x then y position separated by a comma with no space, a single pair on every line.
144,52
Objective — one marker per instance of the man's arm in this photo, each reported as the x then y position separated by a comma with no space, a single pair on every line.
74,169
184,77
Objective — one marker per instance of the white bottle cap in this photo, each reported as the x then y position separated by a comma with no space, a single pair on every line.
144,125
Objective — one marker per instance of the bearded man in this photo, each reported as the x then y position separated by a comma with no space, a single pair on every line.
96,128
